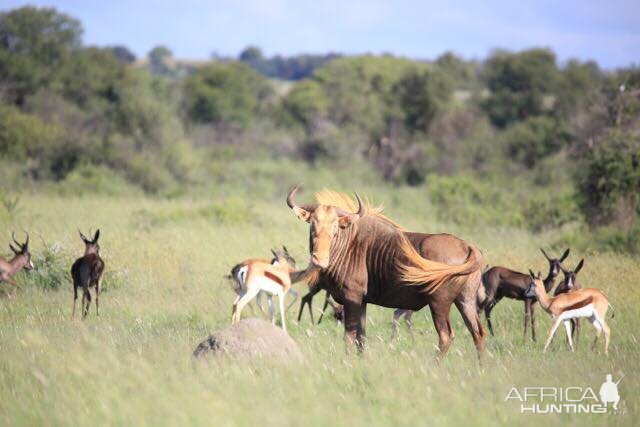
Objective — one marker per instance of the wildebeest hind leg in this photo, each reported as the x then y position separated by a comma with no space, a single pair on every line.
440,315
472,320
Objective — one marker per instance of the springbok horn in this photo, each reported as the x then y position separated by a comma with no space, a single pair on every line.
545,254
13,236
26,243
15,251
360,205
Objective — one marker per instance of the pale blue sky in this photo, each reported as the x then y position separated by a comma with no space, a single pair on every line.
607,31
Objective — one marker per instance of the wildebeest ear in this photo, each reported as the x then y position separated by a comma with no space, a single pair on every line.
565,255
346,220
580,265
96,236
303,214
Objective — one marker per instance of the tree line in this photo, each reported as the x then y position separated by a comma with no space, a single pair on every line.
569,133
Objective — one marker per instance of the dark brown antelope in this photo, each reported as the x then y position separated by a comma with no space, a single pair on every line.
366,258
315,286
21,259
87,272
590,303
501,282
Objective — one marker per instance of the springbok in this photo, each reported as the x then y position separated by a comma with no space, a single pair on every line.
238,275
501,282
87,272
589,302
366,258
21,259
259,275
570,284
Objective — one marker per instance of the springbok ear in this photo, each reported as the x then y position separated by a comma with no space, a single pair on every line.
275,254
533,276
565,255
96,236
346,220
84,239
580,265
303,214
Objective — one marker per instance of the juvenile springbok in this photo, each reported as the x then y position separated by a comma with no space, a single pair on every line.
501,282
260,275
589,302
87,272
21,259
238,275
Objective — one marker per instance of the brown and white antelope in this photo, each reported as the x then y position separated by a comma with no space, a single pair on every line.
570,284
501,282
589,302
238,275
257,275
87,272
21,259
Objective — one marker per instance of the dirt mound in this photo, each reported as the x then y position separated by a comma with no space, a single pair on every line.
251,338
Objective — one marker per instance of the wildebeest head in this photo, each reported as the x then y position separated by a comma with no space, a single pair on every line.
91,246
325,221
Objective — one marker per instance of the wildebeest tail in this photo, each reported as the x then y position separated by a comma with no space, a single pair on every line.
434,274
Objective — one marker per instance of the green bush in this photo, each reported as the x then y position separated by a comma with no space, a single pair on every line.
608,181
530,141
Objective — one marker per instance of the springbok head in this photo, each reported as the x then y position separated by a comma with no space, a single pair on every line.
21,251
555,264
91,246
535,285
569,282
283,256
325,222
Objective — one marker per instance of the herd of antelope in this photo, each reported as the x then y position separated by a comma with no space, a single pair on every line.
359,256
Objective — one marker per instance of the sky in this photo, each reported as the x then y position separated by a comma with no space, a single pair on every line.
605,31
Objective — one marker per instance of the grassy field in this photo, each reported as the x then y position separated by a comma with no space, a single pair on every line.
164,293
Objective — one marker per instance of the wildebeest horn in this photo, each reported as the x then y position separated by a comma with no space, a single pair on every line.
360,205
292,204
545,254
292,193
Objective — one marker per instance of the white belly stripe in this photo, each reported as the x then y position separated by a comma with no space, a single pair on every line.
586,311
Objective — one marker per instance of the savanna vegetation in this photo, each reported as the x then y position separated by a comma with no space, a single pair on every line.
184,167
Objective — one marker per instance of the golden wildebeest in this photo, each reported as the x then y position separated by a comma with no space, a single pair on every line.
363,257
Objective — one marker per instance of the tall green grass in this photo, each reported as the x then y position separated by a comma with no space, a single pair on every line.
165,292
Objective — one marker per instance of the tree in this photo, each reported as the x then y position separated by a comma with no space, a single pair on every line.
225,93
34,44
123,54
423,94
519,83
159,58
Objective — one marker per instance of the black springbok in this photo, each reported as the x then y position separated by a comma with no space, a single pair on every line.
87,272
501,282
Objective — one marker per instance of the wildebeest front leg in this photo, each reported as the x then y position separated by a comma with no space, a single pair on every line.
361,334
352,313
